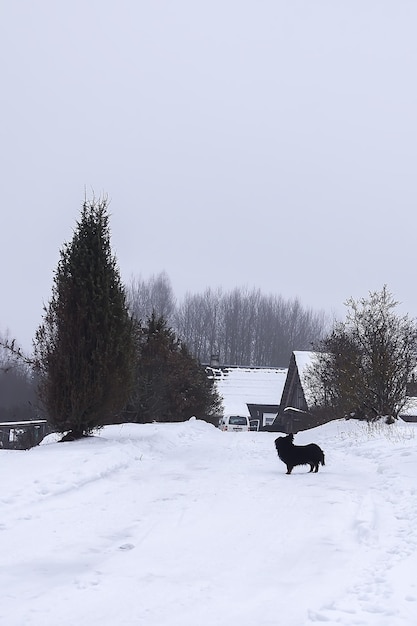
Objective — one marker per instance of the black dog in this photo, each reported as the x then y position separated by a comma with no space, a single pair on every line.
292,455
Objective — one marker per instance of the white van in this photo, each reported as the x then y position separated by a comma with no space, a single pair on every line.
234,423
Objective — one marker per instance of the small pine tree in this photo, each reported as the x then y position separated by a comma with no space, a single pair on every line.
171,385
85,350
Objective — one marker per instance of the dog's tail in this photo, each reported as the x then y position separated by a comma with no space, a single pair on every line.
322,459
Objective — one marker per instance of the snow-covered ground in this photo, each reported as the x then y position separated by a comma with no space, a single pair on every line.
184,525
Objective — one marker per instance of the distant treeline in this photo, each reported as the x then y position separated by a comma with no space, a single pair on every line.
17,389
242,326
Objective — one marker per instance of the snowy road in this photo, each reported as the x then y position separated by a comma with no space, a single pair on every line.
180,524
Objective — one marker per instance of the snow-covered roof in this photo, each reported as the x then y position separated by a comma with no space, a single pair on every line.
410,409
240,386
303,360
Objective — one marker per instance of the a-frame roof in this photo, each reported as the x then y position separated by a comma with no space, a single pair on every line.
295,393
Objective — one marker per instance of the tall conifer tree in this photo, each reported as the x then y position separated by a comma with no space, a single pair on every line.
86,347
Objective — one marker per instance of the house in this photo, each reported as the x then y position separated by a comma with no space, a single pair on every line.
298,410
253,392
409,412
296,405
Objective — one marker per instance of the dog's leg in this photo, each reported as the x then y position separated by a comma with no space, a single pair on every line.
289,469
311,467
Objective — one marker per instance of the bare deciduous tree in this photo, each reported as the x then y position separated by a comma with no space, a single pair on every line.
154,295
365,363
17,383
196,321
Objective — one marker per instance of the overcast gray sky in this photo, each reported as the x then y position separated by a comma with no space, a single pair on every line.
259,143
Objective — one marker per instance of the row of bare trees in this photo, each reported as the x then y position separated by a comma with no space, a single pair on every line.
243,326
17,387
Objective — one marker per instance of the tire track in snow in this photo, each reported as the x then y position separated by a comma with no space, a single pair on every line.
385,527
